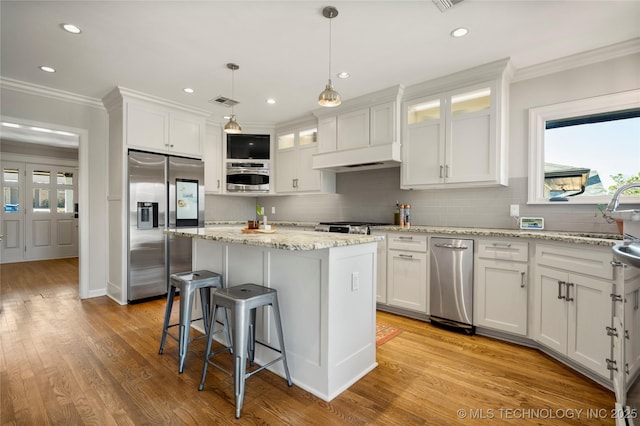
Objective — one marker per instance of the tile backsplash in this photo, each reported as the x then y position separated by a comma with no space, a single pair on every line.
371,196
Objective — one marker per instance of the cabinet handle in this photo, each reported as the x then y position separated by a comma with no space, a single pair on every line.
569,298
637,302
406,256
446,171
405,238
507,245
523,280
171,146
560,284
451,246
441,170
218,183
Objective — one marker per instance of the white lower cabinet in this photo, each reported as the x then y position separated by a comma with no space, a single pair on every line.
501,286
573,310
632,321
407,272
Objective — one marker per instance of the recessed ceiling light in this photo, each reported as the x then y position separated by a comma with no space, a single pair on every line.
47,69
343,74
459,32
71,28
188,90
271,101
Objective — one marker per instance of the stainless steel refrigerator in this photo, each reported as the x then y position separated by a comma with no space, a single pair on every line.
164,191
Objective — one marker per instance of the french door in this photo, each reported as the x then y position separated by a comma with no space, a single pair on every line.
38,212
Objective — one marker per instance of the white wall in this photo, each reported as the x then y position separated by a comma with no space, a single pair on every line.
371,195
60,110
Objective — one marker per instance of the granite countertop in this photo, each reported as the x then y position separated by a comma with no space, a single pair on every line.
590,238
284,239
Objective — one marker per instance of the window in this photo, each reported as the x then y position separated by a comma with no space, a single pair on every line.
11,189
582,151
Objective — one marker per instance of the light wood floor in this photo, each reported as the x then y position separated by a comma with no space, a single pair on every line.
67,361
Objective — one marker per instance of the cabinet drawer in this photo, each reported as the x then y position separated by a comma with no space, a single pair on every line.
582,261
407,241
506,250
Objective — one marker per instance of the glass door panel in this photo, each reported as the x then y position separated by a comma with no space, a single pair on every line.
308,137
424,111
476,100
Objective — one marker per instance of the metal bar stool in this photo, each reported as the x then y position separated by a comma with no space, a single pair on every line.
243,301
188,283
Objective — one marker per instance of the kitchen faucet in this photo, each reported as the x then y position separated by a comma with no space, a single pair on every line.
615,200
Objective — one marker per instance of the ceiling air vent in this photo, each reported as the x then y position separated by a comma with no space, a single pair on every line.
221,100
445,5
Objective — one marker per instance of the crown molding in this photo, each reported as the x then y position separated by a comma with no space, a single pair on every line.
613,51
48,92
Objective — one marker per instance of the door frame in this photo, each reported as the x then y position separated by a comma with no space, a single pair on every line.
83,194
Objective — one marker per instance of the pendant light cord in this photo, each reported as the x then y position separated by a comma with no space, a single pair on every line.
330,19
233,73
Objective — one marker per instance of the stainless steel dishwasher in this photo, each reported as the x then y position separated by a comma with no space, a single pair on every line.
451,283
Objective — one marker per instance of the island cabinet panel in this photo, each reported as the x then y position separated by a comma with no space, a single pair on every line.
327,306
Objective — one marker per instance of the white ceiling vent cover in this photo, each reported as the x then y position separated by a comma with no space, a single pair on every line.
221,100
445,5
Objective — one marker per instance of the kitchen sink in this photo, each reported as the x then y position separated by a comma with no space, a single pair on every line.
628,253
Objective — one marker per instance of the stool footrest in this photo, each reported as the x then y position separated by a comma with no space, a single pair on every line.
252,372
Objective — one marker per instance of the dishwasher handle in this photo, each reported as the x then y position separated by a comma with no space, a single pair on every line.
451,246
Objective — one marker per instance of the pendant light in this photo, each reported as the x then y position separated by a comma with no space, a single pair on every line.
232,125
329,97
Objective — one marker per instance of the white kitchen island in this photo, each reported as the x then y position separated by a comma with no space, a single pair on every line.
326,290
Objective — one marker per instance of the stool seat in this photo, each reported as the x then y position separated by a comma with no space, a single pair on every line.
187,283
243,300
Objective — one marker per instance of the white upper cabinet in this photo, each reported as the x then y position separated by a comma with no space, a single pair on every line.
212,156
454,130
293,171
159,126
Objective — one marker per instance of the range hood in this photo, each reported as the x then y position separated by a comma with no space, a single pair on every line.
376,115
367,158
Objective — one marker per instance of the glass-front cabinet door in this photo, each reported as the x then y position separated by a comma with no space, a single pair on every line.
450,137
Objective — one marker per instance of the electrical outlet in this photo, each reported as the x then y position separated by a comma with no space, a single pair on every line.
273,210
355,281
515,210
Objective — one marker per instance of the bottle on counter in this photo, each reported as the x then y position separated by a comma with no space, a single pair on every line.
402,216
407,216
396,215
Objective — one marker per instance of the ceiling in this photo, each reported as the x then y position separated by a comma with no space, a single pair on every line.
282,47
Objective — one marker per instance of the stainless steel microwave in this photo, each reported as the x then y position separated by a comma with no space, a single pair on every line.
248,176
